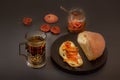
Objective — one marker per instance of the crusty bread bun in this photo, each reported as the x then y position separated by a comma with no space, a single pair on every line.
70,54
92,44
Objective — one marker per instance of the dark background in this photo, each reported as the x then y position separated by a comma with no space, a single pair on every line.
103,16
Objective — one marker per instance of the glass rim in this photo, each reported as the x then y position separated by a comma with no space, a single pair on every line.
35,33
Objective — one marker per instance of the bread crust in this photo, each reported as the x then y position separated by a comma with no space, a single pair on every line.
64,54
92,43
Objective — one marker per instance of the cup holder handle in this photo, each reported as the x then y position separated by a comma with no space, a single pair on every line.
20,49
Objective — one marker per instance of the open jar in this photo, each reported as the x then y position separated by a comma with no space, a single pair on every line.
76,20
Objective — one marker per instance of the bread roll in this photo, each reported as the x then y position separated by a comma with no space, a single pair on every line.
70,54
92,44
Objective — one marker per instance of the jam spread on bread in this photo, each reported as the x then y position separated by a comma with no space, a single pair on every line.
71,52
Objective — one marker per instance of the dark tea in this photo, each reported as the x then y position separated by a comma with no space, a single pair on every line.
36,49
35,45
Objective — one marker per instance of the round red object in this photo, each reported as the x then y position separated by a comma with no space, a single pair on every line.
27,21
45,27
51,18
55,29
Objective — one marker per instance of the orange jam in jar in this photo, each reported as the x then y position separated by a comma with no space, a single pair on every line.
76,20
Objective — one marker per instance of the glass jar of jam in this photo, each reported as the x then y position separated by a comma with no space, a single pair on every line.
76,20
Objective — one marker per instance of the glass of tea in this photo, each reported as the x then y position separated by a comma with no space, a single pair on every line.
34,49
76,20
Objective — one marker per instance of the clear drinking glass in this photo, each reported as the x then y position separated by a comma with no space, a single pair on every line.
34,49
76,20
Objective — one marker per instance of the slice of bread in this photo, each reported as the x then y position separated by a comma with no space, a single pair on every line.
92,44
70,54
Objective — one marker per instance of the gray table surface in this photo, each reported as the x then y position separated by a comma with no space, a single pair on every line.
103,16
